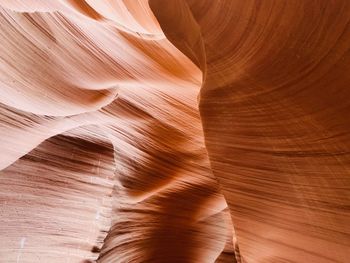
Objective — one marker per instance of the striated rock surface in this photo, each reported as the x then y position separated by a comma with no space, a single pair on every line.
174,131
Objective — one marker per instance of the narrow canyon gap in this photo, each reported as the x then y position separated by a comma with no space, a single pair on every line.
174,131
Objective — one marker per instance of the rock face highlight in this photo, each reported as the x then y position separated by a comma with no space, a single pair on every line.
174,131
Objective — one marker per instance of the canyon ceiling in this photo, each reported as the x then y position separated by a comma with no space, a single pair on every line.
175,131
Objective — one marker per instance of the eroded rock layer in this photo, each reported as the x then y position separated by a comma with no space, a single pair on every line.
174,131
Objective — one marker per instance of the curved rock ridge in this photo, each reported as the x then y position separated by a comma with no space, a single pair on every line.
274,107
174,131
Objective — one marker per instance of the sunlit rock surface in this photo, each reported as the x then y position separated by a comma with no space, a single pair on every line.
174,131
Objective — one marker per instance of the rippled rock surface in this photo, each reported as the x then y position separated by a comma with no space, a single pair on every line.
174,131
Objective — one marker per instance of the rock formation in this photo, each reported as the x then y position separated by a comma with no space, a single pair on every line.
175,131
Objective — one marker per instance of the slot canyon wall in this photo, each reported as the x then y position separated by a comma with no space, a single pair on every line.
175,131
